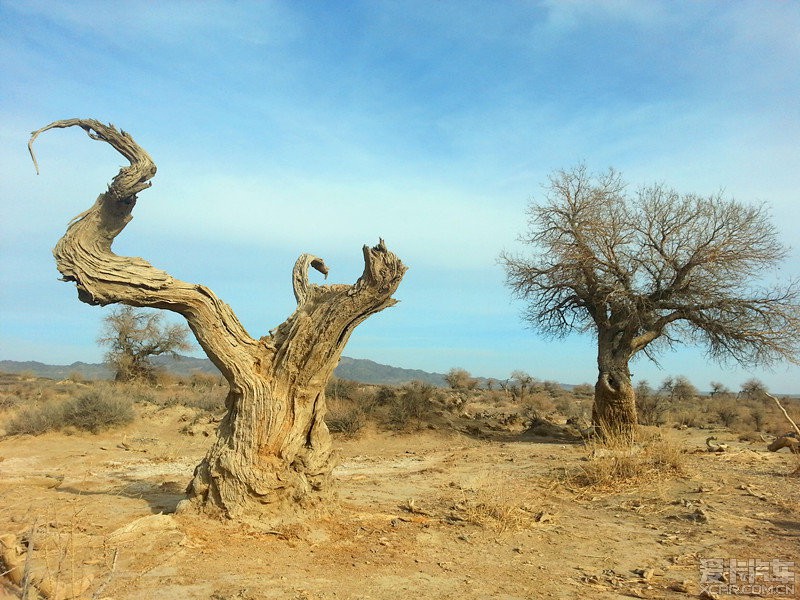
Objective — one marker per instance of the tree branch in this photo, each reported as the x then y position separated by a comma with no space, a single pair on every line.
300,285
84,256
785,414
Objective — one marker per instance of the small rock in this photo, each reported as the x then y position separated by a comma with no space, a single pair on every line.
680,586
699,516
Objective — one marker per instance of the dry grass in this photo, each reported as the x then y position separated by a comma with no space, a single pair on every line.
52,560
614,464
94,410
497,502
345,417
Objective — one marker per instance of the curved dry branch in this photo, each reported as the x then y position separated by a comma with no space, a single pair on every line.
785,414
300,285
83,255
130,180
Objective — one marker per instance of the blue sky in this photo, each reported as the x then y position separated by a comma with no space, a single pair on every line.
287,127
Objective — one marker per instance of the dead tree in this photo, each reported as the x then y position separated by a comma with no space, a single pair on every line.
272,455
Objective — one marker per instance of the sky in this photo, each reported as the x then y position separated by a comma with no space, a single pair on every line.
307,126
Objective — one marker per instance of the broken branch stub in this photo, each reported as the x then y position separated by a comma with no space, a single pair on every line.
272,455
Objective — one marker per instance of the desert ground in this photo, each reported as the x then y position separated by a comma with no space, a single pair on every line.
457,506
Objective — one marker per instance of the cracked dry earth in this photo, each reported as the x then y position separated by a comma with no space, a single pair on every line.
431,514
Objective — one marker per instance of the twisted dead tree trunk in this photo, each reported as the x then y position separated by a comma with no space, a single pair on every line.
614,408
272,455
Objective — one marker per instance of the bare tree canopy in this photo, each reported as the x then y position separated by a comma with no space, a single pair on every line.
647,269
134,336
272,455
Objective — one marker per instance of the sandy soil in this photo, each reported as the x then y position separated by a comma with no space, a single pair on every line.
432,514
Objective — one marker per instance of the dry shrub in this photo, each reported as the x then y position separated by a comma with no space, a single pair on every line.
35,419
341,389
499,503
159,378
537,404
568,406
93,411
206,380
412,405
76,377
613,463
758,418
352,405
202,397
688,417
651,406
345,417
97,410
726,413
8,401
210,401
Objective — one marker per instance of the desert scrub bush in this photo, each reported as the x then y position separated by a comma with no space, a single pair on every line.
76,377
501,504
583,390
97,410
758,418
651,407
726,413
538,404
35,419
411,405
385,395
347,418
566,406
8,401
93,411
209,402
688,417
338,388
205,380
613,463
460,379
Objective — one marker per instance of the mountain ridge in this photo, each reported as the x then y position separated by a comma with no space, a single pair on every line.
357,369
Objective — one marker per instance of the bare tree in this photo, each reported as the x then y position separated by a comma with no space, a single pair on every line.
682,389
520,383
650,405
460,379
272,455
754,389
643,271
719,389
134,336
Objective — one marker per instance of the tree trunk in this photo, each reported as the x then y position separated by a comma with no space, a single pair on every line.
272,455
614,410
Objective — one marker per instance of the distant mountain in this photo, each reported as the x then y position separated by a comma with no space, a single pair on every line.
86,370
367,371
357,369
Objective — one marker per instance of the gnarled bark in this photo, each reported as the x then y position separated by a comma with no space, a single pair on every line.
273,452
614,408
